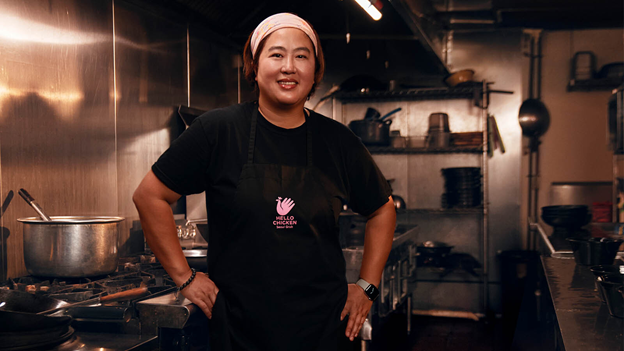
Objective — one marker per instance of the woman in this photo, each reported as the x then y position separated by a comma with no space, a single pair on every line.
276,176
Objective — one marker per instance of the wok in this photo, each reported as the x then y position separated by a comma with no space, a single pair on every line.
22,328
11,300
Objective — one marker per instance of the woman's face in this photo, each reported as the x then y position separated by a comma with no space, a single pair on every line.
286,68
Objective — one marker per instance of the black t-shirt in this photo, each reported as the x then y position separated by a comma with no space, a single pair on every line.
210,155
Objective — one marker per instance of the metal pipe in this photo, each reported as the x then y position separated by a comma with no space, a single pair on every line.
484,170
539,66
536,226
530,197
536,192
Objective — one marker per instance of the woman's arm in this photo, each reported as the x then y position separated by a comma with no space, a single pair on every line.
377,244
152,199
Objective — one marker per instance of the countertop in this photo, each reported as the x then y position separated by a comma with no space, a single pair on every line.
584,322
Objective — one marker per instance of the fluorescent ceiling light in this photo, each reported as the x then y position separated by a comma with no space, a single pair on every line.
370,9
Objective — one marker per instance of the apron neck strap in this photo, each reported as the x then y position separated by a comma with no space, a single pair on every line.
252,137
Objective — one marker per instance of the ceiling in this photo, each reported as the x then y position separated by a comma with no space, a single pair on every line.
421,21
235,19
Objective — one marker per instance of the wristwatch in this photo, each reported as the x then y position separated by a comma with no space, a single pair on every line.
370,290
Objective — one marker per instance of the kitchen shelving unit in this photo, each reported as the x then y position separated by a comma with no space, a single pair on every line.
479,94
596,84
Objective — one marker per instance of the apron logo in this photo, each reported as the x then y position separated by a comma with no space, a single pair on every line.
283,208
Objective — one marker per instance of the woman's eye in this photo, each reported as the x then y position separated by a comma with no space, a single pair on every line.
302,56
276,55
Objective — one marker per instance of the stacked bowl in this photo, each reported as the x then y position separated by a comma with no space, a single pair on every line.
462,186
570,217
609,282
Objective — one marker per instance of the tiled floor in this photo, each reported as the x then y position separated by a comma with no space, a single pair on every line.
442,334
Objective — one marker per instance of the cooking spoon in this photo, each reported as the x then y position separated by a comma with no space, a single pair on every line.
29,199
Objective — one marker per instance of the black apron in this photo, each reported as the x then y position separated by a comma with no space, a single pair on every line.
281,272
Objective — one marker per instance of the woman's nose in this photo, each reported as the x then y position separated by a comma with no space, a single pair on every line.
288,65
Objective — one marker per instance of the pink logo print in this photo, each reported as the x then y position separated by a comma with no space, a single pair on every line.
283,207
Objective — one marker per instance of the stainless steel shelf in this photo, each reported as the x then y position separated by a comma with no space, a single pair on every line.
378,150
464,92
457,210
602,84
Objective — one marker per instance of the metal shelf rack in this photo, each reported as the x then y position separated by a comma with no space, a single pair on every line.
479,93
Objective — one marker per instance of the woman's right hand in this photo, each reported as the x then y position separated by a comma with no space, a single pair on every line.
202,292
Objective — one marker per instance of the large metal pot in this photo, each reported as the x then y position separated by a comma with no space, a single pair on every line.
71,246
373,131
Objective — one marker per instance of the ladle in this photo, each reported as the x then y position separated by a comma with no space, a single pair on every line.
29,199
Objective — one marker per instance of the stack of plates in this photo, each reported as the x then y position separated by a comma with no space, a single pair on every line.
463,187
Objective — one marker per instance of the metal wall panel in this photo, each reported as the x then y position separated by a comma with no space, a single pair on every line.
150,67
56,116
214,82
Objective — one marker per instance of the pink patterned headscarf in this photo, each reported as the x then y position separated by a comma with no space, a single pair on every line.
279,21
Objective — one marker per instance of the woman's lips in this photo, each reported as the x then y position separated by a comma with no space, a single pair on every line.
287,84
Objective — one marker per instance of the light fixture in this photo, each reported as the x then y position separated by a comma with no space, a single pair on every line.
372,7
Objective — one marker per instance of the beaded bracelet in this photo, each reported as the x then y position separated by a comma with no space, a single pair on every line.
193,272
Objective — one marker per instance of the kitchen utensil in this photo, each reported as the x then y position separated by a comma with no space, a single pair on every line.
438,139
390,113
120,296
466,139
29,199
612,273
439,122
372,132
594,251
613,297
71,246
371,113
583,65
12,300
459,77
27,331
396,140
399,203
416,142
533,117
613,70
434,248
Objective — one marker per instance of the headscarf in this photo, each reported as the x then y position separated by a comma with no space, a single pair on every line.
279,21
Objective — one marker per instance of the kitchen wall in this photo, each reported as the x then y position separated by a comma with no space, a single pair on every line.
574,149
88,91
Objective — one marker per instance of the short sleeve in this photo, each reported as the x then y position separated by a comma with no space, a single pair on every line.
369,189
182,168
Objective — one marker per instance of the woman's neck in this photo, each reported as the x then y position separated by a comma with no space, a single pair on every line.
287,118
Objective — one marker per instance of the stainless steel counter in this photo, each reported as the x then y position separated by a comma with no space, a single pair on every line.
584,322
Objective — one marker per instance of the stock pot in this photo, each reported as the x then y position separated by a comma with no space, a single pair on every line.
71,246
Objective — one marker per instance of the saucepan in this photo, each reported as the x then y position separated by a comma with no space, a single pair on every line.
70,246
374,129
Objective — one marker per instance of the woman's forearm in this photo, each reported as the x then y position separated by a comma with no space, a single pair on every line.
153,204
378,242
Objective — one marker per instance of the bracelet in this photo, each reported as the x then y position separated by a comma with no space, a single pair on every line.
193,272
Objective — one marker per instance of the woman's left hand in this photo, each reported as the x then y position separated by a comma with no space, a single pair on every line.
357,308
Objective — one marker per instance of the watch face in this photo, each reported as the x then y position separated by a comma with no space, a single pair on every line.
372,292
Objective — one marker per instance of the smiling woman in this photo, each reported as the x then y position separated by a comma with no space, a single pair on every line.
275,176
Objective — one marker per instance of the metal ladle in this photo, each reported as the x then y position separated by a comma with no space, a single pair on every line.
29,199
